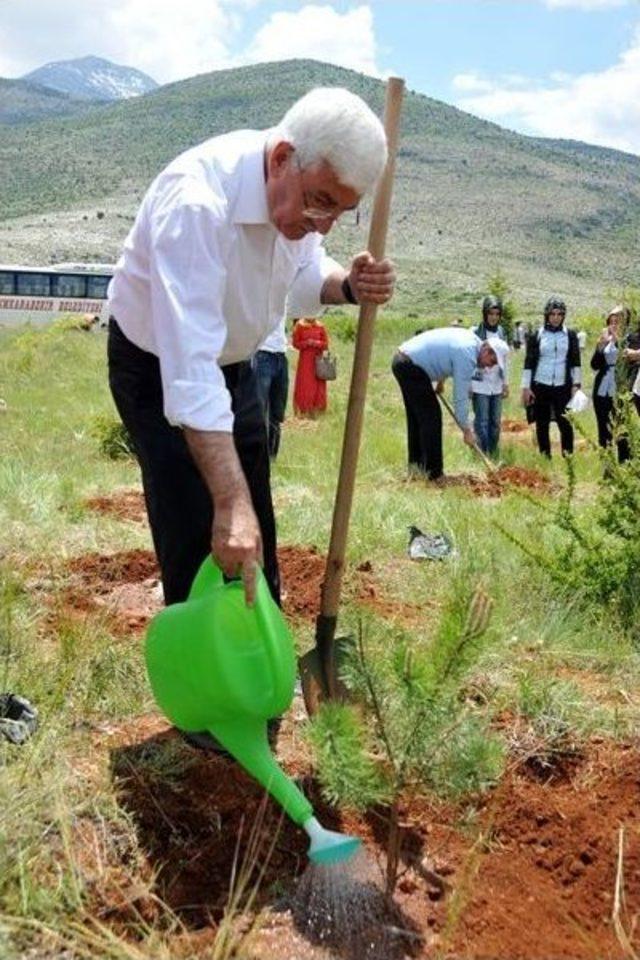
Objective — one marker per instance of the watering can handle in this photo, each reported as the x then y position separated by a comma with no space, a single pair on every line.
208,577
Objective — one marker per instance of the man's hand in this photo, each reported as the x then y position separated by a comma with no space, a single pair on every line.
574,389
528,397
505,391
469,437
440,386
371,281
236,543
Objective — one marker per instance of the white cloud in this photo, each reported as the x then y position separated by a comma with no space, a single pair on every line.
468,83
600,107
319,33
169,40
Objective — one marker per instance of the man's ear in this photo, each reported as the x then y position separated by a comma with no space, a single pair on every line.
279,158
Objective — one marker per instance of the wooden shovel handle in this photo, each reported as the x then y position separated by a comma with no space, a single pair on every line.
491,467
330,597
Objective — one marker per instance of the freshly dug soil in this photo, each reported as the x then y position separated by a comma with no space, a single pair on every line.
122,587
123,505
532,876
498,482
125,588
544,884
302,572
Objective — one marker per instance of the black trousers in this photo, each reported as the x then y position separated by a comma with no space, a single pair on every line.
552,400
424,416
604,408
178,502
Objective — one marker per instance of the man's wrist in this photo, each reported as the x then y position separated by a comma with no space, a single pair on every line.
347,291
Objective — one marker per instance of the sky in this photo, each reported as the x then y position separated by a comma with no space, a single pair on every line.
554,68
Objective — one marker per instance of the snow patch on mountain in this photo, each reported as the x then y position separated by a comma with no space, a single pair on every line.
93,78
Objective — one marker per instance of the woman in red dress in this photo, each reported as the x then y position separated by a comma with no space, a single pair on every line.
309,393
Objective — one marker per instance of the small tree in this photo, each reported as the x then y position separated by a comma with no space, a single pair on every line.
411,727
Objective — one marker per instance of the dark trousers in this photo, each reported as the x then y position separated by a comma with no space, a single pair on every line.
604,408
272,373
178,502
552,401
424,416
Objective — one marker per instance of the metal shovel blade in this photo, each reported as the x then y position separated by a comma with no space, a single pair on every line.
320,676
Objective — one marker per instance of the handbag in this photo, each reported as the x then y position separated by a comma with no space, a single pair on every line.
326,366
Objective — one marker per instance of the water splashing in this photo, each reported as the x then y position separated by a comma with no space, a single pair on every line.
343,908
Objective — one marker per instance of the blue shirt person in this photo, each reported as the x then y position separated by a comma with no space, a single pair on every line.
435,356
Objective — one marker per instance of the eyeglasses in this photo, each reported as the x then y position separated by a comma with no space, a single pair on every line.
314,206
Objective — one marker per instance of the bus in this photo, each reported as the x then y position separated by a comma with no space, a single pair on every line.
40,294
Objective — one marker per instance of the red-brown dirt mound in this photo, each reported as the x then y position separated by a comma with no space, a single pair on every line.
123,504
125,587
99,572
495,483
302,572
543,886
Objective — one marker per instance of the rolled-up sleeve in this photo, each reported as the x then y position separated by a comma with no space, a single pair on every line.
188,278
315,267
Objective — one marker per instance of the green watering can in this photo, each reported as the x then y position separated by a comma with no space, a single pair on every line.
217,665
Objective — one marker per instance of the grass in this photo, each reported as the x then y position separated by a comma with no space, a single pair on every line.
545,660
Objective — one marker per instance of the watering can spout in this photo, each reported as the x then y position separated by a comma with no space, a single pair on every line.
246,739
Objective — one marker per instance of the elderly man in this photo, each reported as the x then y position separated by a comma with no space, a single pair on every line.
224,234
431,357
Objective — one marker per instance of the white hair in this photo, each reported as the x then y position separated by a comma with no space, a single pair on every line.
335,125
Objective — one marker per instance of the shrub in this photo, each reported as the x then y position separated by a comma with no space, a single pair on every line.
598,557
114,440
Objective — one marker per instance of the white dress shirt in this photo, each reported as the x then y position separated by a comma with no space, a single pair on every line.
276,342
204,275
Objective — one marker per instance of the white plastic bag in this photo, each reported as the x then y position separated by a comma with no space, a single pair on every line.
578,403
636,385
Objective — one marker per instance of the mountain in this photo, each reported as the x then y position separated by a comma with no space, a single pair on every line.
23,102
469,196
93,78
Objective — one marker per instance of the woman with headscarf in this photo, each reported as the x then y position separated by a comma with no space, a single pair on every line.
606,362
552,375
490,385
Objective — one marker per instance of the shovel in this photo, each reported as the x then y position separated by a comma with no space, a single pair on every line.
489,464
319,668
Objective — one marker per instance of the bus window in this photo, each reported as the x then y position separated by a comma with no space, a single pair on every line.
33,285
7,282
68,285
97,287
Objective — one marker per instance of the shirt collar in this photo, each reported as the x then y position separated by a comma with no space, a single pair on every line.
251,205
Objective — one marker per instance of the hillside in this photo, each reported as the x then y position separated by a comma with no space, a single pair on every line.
93,78
469,195
23,102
